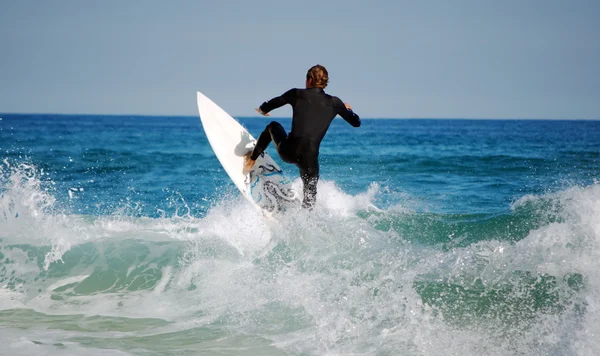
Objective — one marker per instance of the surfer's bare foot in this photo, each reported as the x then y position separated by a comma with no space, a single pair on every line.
248,163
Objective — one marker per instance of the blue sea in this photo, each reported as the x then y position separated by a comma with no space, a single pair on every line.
123,235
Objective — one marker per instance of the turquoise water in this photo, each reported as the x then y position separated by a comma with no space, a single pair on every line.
124,236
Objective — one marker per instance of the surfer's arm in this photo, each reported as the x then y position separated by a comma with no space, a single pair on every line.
278,102
345,111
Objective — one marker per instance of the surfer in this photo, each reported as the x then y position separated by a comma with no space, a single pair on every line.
313,111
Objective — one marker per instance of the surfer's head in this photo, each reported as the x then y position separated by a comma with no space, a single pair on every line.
317,77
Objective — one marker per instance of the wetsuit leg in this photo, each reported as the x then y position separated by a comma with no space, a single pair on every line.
273,132
307,162
310,177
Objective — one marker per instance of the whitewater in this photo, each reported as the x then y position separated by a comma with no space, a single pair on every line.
432,243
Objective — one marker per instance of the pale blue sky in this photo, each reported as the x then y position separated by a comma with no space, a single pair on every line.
465,59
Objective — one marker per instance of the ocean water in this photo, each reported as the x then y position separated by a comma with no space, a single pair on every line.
124,236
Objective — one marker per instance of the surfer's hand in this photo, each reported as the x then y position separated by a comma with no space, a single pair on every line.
258,110
348,106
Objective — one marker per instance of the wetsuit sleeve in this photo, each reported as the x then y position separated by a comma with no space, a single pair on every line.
277,102
348,115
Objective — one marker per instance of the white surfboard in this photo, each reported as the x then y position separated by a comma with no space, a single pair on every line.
265,186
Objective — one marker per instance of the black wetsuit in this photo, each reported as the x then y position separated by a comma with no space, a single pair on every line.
313,112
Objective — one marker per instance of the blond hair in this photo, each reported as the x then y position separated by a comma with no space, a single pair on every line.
318,76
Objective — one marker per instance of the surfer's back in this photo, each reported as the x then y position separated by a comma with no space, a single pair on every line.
313,112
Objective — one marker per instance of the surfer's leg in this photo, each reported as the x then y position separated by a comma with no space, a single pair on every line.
310,177
273,132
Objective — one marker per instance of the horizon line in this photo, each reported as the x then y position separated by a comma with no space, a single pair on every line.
289,117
